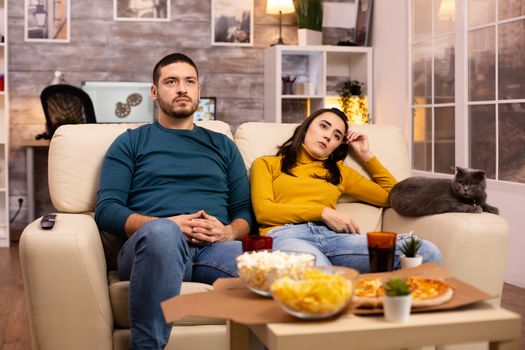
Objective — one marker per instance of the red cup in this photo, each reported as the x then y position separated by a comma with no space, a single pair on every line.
251,243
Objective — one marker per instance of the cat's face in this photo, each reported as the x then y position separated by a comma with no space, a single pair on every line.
469,183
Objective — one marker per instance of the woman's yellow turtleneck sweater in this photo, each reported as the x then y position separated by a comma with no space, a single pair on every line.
280,199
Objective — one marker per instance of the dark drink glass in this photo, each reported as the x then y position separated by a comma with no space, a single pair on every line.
381,251
251,243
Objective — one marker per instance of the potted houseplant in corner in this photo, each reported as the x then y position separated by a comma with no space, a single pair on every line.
409,249
353,103
309,21
397,300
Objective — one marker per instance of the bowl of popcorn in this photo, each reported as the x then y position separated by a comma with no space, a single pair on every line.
257,269
320,293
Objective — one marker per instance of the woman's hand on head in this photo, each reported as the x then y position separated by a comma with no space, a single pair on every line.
359,144
339,222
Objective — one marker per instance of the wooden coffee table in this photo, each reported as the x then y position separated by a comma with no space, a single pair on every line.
481,322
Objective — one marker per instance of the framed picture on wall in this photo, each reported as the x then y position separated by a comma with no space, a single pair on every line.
47,20
232,22
206,109
141,10
121,102
339,21
363,25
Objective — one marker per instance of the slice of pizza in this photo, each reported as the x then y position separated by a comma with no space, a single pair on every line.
369,292
429,292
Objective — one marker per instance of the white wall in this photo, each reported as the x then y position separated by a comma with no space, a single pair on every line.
390,41
391,106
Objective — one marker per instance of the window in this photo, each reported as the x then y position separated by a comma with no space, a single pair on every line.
496,88
433,85
492,106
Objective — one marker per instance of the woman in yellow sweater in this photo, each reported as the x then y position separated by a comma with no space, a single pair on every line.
294,193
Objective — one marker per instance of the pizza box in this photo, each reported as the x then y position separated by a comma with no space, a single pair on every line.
232,300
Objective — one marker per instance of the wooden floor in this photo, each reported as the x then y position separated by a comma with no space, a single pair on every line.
14,325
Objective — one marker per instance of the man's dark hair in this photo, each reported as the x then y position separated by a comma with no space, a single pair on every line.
169,59
291,148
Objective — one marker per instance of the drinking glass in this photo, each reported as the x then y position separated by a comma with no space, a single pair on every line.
381,250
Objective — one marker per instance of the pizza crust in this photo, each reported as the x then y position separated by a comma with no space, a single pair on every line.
438,300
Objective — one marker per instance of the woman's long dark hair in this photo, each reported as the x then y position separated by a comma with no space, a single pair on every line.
291,148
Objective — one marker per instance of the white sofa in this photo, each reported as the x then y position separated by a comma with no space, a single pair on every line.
74,302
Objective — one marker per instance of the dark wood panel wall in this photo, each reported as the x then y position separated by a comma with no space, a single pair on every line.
107,50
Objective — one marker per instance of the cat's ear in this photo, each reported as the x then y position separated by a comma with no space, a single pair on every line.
460,171
479,175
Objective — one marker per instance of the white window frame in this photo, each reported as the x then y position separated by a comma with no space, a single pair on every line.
461,103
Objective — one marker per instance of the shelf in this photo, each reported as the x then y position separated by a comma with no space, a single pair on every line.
4,127
301,96
321,70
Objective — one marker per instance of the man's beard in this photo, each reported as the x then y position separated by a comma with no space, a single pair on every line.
167,108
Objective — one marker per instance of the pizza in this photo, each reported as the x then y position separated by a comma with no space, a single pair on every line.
369,291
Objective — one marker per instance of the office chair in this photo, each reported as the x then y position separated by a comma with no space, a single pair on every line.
65,104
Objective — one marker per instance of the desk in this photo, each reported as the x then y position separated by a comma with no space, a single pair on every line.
481,322
30,145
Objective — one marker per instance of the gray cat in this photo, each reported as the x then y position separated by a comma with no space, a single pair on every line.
465,193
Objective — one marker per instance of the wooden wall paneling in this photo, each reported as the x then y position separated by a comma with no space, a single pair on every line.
102,49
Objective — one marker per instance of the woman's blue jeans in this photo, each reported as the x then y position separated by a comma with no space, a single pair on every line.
156,259
332,248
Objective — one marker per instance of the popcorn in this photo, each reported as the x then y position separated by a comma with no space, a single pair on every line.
258,269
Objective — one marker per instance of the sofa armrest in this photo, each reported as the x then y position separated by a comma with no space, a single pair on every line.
473,246
66,286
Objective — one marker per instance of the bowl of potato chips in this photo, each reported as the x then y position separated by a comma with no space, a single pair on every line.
257,269
320,293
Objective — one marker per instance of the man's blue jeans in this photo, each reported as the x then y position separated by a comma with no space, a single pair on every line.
332,248
156,259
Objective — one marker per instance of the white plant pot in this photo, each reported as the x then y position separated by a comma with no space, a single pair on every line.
407,263
397,309
309,37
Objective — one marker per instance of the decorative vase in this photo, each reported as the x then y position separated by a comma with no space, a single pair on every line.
397,309
309,37
409,262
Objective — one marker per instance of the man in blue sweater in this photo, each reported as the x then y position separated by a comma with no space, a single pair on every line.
180,194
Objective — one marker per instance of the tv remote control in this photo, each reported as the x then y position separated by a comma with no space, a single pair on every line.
48,221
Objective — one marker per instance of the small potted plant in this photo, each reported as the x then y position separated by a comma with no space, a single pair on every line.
353,103
309,21
409,249
397,300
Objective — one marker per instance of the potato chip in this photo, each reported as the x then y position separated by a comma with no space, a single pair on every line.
318,292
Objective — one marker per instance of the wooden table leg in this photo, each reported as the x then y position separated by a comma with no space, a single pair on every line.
238,335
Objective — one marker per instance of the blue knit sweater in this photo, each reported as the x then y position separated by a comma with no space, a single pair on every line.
156,171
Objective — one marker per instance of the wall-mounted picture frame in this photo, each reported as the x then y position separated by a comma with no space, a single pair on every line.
363,25
47,21
339,19
121,102
206,110
142,10
232,22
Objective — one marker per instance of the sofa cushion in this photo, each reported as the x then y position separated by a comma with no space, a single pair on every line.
75,158
387,142
118,294
369,218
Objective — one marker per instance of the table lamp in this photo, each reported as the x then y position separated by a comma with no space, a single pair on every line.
279,7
